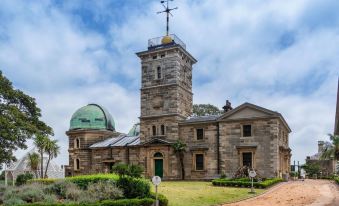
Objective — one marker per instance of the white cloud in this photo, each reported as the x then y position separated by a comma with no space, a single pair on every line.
277,54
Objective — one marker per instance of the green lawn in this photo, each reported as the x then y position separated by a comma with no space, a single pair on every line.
201,193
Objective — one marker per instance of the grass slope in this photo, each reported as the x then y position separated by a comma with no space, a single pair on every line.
201,193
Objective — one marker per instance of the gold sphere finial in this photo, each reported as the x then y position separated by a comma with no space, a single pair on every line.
166,40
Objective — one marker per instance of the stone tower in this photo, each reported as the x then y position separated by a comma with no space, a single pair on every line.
166,88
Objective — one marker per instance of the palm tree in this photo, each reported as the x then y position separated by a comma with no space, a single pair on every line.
332,152
40,142
33,162
179,149
52,149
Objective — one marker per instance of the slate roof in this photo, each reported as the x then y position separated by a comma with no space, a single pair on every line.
120,141
202,118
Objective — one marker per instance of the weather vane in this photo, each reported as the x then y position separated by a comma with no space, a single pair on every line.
168,11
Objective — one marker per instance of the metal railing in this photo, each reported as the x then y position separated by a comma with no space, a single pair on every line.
156,42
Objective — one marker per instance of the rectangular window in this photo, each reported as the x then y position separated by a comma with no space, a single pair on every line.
154,130
158,72
200,134
247,130
247,159
162,129
199,162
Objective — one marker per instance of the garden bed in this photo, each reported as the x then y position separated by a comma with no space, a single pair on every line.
245,182
91,190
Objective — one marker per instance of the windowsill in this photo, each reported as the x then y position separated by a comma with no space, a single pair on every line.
199,170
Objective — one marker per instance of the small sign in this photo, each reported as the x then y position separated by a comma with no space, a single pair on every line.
252,173
156,180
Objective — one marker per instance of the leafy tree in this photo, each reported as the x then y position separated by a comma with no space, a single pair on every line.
23,178
52,149
135,171
40,141
332,152
33,162
311,168
205,109
179,149
19,120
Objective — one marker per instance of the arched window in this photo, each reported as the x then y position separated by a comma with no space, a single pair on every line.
158,154
77,164
162,129
77,143
154,130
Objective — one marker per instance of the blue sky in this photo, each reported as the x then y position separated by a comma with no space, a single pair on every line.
282,55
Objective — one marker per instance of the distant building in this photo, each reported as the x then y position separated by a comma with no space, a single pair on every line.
327,166
248,135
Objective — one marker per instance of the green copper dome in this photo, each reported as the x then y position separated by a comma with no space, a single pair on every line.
135,131
92,116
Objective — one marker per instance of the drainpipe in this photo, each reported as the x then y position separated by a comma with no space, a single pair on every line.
218,145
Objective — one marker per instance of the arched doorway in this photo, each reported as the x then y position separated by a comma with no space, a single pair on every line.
158,164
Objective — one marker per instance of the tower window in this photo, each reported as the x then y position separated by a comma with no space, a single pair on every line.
162,129
247,130
159,72
200,134
154,130
77,164
199,162
77,143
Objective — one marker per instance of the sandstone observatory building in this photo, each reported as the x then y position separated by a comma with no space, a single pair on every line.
247,135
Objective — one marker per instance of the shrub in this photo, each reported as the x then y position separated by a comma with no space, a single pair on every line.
163,201
28,193
128,202
134,187
128,170
13,201
44,181
120,169
73,192
104,190
60,188
23,178
135,171
83,180
243,183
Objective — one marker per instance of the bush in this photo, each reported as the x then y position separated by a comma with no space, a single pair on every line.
128,202
44,181
60,188
245,183
23,178
163,201
13,201
104,190
134,187
84,180
128,170
73,192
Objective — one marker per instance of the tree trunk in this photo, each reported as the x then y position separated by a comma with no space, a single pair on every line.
42,165
49,159
181,157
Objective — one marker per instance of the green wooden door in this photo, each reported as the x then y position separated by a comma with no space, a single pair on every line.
158,167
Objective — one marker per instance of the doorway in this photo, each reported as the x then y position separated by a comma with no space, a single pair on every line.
158,164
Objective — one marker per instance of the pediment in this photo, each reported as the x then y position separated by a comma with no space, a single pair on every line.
247,111
157,141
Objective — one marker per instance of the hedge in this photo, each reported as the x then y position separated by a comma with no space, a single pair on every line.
163,201
336,179
82,181
243,183
121,202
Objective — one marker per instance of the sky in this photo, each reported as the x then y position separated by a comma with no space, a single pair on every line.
281,55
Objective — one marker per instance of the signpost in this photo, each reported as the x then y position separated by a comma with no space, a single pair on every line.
252,174
156,180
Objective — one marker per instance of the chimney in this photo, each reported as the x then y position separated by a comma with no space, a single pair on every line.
228,106
320,146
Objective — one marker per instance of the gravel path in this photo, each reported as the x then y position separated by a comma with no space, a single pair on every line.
297,193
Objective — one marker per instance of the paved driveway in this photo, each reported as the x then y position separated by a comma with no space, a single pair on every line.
297,193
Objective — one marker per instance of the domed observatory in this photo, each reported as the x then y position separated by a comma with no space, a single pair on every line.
89,124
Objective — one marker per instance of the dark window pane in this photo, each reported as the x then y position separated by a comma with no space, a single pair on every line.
162,130
247,159
154,130
158,154
200,134
247,130
199,162
159,72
